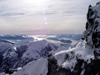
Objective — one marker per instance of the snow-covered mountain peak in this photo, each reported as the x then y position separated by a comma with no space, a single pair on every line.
17,55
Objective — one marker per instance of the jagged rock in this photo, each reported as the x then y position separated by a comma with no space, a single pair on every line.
92,33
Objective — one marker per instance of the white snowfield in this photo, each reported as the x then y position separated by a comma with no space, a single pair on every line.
2,73
35,48
81,51
38,67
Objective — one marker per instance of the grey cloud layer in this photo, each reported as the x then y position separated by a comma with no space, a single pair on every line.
62,15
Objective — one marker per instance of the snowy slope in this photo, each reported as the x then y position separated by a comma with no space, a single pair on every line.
35,51
68,58
38,67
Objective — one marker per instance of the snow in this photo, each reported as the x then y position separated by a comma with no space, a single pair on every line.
2,73
69,65
38,67
10,54
35,48
67,58
18,54
19,68
15,48
4,46
97,9
82,73
38,45
61,48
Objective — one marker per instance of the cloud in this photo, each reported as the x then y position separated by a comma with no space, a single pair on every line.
26,15
34,30
12,14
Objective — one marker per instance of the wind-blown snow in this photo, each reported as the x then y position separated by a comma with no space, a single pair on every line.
67,59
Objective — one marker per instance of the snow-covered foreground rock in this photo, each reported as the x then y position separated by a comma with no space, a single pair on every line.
81,59
39,67
84,57
68,58
73,61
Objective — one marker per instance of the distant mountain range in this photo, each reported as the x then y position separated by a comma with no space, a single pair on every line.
18,50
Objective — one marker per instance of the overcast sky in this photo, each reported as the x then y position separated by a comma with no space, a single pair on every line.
43,16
